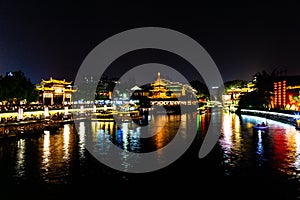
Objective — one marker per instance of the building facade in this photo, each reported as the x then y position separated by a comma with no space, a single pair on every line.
159,90
55,92
287,93
233,95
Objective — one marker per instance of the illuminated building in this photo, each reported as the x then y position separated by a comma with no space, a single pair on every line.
159,90
235,94
55,92
163,88
287,93
166,92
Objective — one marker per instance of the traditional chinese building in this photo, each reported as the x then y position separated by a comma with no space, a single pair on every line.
55,92
160,90
166,92
233,95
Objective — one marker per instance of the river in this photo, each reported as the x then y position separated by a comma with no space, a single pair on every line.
242,164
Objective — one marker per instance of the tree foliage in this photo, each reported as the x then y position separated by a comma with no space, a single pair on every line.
234,84
261,97
15,86
202,89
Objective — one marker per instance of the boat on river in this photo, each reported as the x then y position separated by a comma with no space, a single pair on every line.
104,115
261,127
128,116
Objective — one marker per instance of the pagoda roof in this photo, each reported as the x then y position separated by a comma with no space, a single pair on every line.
52,80
158,81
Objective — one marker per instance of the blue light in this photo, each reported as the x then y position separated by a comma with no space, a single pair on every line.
297,115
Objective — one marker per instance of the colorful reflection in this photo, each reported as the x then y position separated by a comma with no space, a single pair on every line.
230,141
123,136
240,150
260,148
202,122
131,137
81,143
57,154
279,146
286,149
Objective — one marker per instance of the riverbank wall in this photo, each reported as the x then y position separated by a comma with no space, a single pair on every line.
285,116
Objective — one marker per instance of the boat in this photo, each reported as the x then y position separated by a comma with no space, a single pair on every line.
126,116
261,127
107,115
52,125
128,112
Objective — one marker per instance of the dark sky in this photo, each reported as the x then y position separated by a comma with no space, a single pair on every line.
50,38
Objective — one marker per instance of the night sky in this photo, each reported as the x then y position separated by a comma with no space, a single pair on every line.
52,39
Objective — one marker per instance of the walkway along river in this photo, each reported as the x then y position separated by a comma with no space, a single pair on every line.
243,164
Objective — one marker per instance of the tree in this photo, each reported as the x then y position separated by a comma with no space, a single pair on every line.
15,86
261,97
234,84
202,89
253,100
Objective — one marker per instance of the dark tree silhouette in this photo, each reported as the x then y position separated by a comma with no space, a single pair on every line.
15,86
202,89
234,84
261,97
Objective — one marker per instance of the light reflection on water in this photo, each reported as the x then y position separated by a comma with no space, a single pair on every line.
127,136
46,152
57,154
81,142
231,141
286,149
280,145
66,136
53,157
20,163
260,148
